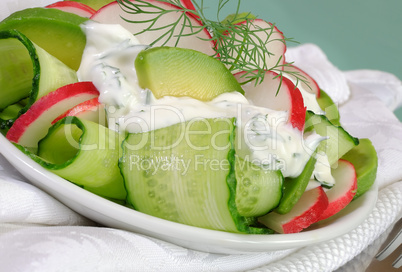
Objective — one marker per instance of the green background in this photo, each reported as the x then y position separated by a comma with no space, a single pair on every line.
354,34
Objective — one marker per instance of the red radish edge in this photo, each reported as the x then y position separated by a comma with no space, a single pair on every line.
188,4
72,4
306,212
185,3
297,110
297,114
37,109
344,189
282,61
313,213
314,85
84,106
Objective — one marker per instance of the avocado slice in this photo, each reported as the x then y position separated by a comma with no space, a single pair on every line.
364,159
57,32
173,71
95,4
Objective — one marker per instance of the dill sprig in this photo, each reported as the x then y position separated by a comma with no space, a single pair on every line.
239,43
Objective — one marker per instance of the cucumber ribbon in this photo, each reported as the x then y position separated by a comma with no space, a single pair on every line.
84,153
27,72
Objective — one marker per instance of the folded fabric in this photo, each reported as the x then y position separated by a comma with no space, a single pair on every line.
311,59
386,86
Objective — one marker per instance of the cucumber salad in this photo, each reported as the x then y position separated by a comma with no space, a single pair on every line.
151,105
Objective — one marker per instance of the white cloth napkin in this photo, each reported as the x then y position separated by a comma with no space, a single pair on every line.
38,233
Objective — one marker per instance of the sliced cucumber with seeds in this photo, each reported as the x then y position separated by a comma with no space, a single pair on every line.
185,173
258,190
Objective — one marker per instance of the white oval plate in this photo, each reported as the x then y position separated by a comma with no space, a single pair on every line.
113,215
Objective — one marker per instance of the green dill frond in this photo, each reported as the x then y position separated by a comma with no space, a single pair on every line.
239,43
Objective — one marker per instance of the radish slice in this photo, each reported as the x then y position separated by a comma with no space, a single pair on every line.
306,212
274,43
113,14
33,125
188,4
340,195
90,110
311,85
73,7
276,95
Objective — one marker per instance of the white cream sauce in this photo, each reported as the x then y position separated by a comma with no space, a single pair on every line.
322,170
264,136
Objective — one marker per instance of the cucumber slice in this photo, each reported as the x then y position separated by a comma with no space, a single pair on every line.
364,159
293,188
329,107
84,153
185,173
53,74
7,117
26,70
339,140
56,31
258,190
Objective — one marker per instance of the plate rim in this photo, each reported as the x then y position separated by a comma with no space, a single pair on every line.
113,215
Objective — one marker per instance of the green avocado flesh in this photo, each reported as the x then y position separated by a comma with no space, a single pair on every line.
95,4
172,71
57,32
16,70
186,173
364,159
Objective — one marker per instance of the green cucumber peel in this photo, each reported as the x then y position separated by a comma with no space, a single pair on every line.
46,75
293,188
85,153
338,141
258,190
202,196
7,117
244,223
